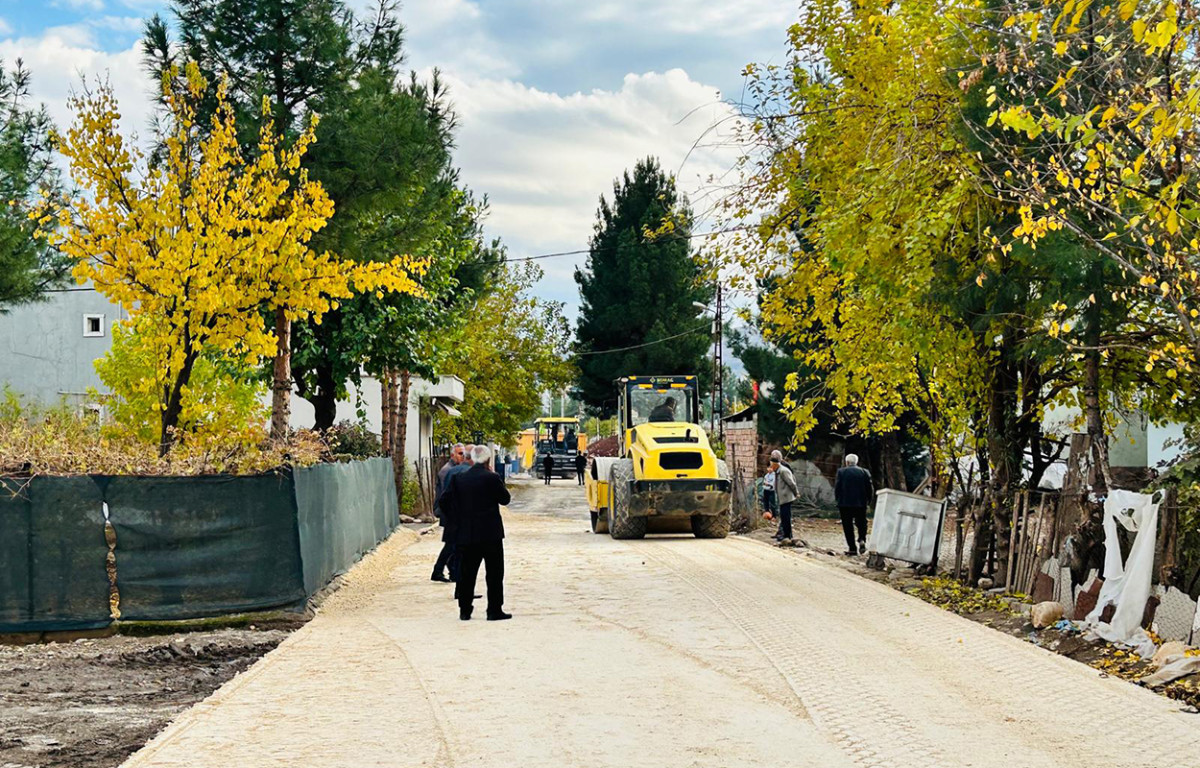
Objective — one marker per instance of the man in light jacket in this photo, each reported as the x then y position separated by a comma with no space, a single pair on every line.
786,492
853,491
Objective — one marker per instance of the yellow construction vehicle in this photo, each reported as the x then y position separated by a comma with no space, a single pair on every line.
558,438
666,478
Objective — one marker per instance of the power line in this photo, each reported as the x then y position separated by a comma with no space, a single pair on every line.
582,251
535,257
697,329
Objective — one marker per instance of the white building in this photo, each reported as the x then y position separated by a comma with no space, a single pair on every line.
48,351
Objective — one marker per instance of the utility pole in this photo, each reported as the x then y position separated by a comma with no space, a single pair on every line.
718,399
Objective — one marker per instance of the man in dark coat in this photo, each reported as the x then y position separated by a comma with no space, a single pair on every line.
853,490
548,466
472,500
580,466
664,411
448,557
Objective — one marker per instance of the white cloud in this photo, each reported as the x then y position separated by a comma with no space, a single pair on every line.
59,58
119,23
544,159
5,28
728,18
80,5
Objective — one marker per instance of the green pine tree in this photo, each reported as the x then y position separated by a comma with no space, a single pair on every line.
27,266
638,288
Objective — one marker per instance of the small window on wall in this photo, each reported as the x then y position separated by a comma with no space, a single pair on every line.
93,325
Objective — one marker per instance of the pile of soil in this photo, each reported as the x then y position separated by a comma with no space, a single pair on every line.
605,446
91,703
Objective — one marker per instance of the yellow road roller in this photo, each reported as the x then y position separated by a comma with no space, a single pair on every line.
667,479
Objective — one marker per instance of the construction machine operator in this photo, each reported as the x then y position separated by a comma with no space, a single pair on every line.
664,411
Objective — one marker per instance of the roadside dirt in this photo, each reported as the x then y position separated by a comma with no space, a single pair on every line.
92,703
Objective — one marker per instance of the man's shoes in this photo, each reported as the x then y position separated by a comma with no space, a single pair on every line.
464,614
440,577
499,616
850,553
862,547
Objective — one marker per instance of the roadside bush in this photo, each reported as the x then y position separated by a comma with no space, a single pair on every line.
353,440
410,499
222,403
64,441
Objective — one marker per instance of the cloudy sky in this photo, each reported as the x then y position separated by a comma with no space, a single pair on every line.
556,97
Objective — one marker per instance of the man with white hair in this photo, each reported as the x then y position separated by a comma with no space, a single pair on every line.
472,501
786,491
853,490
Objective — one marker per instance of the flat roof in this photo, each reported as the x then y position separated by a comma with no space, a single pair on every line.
557,420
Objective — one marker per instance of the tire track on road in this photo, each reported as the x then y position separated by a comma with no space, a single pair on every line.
869,731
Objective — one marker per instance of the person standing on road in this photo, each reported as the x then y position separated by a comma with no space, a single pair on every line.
473,499
548,467
447,558
768,497
786,492
853,491
580,465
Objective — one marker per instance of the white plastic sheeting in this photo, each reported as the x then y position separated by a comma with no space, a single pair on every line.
1127,582
906,526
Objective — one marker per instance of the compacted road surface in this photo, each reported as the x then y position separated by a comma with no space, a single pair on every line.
666,652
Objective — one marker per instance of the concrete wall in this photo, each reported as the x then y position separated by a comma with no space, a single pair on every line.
44,354
1135,442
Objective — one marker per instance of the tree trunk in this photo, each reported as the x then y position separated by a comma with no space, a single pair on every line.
281,386
892,462
173,408
401,432
1095,422
1092,405
385,414
324,399
1004,452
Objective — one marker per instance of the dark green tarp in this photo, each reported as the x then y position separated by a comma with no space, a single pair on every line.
16,579
344,510
52,571
191,547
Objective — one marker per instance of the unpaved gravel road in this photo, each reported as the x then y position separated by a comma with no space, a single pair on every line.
665,652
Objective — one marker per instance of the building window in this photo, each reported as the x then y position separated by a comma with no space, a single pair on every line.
93,325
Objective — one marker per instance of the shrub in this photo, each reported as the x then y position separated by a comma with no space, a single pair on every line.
36,440
352,440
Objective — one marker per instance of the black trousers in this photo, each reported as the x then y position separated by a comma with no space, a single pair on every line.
785,521
447,558
547,473
580,474
491,555
852,516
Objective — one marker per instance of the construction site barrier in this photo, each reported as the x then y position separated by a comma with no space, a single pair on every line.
185,547
52,555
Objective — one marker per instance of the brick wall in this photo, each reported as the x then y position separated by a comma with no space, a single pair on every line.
742,450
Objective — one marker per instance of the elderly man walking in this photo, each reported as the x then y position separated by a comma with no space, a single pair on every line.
472,499
786,492
853,491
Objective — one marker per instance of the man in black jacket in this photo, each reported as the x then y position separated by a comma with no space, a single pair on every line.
580,466
472,499
852,489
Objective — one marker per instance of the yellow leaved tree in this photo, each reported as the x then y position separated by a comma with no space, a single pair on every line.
199,241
